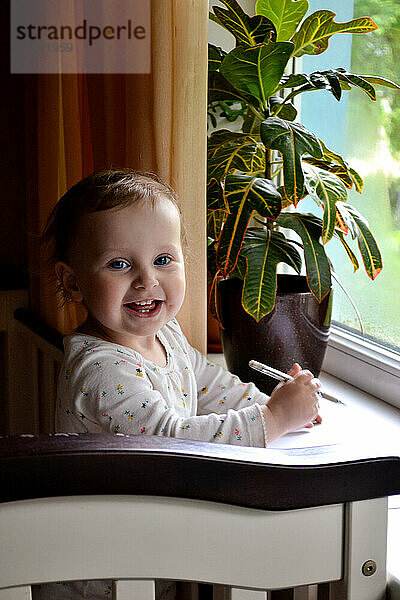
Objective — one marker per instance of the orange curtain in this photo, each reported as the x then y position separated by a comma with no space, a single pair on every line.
155,122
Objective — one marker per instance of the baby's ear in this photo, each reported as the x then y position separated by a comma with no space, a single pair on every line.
67,279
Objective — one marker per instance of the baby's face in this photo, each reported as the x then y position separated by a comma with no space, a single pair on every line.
129,268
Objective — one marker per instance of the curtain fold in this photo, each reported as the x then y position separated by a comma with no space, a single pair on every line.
154,122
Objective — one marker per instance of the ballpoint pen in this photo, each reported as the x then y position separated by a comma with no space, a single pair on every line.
281,376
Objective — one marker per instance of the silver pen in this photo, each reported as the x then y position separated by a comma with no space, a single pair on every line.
281,376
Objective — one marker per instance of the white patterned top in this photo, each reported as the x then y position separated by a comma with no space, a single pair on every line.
109,387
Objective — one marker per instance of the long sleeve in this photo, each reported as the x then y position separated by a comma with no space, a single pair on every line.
219,390
104,387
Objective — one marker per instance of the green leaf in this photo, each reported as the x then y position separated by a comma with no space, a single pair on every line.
247,30
292,140
347,223
315,31
264,250
368,247
284,14
257,70
309,228
319,80
357,180
215,200
330,155
251,123
230,150
219,89
293,80
358,81
326,189
349,251
286,110
243,195
216,210
337,170
381,81
215,56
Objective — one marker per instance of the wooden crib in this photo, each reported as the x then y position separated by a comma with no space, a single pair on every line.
138,508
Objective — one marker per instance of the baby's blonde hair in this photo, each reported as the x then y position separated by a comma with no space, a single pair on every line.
104,190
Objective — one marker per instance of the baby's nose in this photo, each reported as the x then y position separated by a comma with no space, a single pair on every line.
146,279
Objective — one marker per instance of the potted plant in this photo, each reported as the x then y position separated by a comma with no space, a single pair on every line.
260,174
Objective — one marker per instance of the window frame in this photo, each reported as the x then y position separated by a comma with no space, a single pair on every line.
365,364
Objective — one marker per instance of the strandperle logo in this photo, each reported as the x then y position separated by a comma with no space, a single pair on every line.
80,36
81,32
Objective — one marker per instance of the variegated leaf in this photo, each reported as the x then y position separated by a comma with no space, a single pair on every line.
370,253
381,81
358,81
337,170
257,70
251,123
357,180
349,251
286,110
330,155
264,250
229,150
215,56
243,195
346,218
284,14
316,30
219,90
292,140
247,31
326,189
309,228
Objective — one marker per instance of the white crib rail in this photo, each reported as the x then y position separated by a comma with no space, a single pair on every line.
135,509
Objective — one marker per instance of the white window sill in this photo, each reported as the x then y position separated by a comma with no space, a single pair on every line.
364,417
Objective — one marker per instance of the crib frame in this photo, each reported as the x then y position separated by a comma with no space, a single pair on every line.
86,507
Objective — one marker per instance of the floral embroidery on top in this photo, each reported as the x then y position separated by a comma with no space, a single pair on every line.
237,434
121,363
204,390
139,372
221,402
143,430
246,397
83,391
97,364
184,426
144,403
107,416
219,434
120,389
129,414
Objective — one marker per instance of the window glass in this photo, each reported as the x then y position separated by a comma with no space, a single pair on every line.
367,134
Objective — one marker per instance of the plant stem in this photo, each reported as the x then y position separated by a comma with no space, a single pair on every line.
268,174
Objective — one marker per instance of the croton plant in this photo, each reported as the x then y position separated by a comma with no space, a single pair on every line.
265,169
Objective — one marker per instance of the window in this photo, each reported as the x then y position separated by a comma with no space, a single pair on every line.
367,134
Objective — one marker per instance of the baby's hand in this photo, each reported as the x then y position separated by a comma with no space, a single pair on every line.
294,404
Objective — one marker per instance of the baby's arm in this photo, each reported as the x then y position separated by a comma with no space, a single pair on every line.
115,394
290,406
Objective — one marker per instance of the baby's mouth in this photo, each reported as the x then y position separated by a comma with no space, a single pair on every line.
144,307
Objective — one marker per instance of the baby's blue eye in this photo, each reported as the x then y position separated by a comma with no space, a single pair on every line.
118,265
162,260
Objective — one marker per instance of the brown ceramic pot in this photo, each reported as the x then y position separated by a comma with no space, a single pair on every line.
297,330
